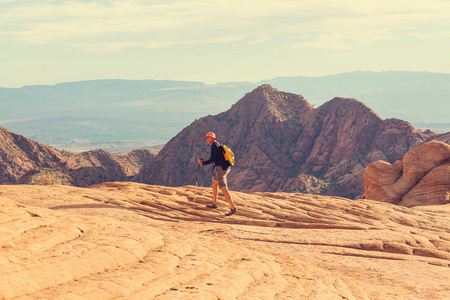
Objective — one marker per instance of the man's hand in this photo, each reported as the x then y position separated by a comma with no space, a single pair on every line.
200,161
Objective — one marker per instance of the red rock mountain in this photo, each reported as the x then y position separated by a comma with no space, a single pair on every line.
282,143
28,162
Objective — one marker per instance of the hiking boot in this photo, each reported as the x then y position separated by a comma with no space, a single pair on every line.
232,211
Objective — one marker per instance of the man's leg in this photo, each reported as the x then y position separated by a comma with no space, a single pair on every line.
215,186
227,195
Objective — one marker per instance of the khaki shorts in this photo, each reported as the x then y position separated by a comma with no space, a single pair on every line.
221,176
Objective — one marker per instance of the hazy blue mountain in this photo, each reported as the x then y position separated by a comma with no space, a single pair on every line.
129,114
112,114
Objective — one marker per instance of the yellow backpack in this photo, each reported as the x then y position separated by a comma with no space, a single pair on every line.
228,154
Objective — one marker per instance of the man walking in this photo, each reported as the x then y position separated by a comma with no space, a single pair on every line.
222,170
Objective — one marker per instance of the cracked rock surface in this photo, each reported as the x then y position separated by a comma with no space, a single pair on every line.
137,241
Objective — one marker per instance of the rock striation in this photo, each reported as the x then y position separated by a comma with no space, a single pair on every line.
28,162
136,241
282,143
421,178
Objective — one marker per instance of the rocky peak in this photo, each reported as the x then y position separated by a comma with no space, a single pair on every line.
342,127
282,143
347,108
267,102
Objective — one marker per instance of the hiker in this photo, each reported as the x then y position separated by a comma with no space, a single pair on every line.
222,169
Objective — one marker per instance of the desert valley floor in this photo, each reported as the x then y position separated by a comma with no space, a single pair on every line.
137,241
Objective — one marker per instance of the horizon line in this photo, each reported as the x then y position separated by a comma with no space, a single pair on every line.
217,83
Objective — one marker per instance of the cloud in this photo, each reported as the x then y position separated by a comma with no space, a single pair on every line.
342,41
109,26
441,35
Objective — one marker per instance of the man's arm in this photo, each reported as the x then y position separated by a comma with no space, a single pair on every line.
213,155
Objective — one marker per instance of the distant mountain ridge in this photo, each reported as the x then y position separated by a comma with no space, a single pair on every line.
282,143
25,161
131,114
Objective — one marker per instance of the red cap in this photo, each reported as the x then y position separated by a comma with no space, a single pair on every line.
210,134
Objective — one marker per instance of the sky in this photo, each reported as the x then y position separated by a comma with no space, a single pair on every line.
48,42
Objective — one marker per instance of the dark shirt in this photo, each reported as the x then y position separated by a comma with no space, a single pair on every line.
216,157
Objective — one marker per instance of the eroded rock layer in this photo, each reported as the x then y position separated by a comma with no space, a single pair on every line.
421,178
135,241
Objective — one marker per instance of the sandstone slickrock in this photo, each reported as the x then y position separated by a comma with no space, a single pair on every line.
282,143
136,241
422,178
25,161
